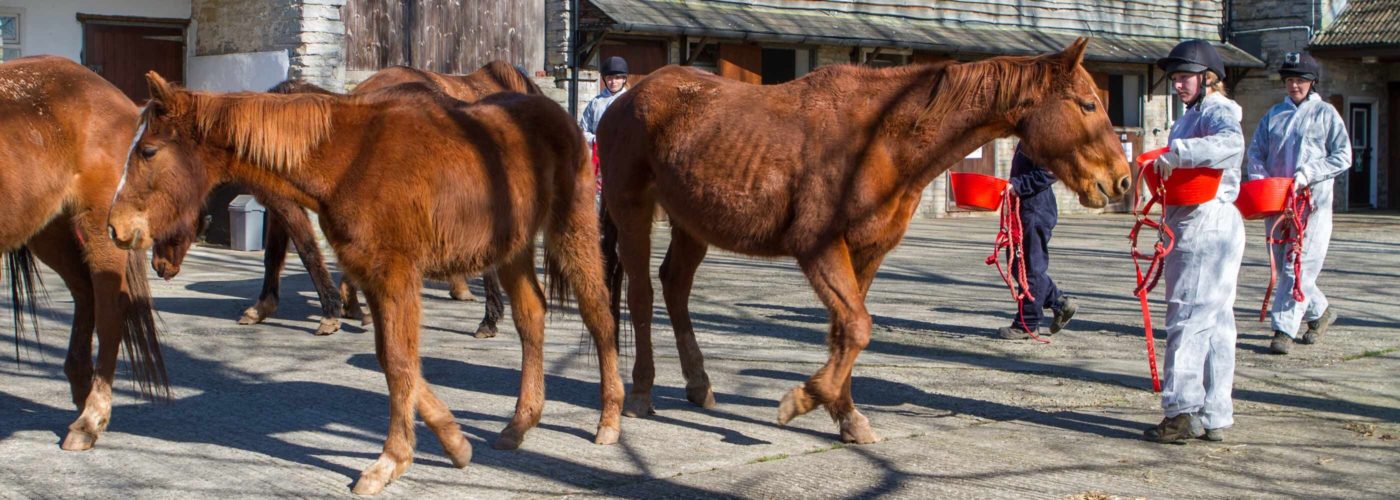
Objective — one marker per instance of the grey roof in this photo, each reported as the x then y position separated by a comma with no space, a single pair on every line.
826,27
1364,23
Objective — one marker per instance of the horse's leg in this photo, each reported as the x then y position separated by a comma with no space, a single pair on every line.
274,258
633,222
460,291
57,247
527,309
573,248
393,295
303,235
677,277
350,296
831,275
494,310
855,428
107,268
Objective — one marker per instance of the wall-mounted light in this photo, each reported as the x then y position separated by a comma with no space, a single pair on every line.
1370,59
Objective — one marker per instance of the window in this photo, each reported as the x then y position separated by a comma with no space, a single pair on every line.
9,35
1125,100
884,57
782,65
705,56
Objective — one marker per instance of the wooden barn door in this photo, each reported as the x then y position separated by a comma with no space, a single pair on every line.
122,50
741,62
643,56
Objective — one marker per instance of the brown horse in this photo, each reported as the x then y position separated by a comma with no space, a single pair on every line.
288,222
65,131
407,185
827,169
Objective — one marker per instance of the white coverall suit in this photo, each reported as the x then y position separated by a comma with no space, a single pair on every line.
1307,142
1202,270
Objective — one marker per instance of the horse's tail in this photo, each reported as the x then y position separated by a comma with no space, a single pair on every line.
140,336
26,286
612,265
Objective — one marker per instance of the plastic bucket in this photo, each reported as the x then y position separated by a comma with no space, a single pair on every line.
1187,186
1263,197
977,191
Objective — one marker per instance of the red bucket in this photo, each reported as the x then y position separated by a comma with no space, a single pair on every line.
1187,186
977,191
1263,197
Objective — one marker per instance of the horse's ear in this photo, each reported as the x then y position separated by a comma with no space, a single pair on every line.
1073,55
163,91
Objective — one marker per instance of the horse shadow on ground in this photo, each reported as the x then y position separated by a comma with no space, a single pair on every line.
244,411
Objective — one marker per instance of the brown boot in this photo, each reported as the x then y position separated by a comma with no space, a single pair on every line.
1318,327
1064,311
1175,430
1281,344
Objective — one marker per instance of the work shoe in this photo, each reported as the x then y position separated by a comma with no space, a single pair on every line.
1282,343
1064,311
1175,430
1318,327
1216,435
1010,333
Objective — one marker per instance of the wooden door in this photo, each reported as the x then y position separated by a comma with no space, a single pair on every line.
642,56
123,53
1363,153
741,62
1392,198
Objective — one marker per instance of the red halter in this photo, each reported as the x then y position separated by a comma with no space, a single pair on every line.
1009,237
1147,279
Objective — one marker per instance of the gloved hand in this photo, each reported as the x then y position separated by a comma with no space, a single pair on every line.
1166,163
1300,181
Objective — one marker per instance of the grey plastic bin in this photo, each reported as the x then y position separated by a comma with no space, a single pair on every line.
245,221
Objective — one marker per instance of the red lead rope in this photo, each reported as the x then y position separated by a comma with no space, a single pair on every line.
1147,278
1288,230
1009,238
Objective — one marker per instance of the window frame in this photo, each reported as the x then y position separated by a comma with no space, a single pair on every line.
17,43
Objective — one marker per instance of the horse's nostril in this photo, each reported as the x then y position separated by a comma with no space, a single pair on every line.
1124,183
112,232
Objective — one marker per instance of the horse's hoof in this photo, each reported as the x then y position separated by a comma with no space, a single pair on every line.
251,316
464,295
485,333
77,440
795,404
856,430
638,406
509,439
462,456
607,435
701,396
328,326
377,476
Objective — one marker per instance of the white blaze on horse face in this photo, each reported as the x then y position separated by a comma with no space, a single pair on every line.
140,130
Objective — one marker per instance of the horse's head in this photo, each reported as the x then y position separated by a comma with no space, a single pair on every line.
166,177
1068,130
168,254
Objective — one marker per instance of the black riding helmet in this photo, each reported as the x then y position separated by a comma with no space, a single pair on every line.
1301,65
1193,56
613,66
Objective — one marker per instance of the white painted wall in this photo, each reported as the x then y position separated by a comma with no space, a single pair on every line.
254,71
51,26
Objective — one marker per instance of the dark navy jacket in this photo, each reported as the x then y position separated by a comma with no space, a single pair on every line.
1032,183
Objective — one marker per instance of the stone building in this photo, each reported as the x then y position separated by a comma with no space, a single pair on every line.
770,41
1358,44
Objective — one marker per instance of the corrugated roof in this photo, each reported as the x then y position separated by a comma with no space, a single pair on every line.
824,27
1364,23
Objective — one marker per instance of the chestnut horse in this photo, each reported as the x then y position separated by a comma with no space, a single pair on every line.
65,131
288,221
827,169
408,185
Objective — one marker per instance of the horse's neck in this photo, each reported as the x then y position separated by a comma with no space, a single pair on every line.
312,182
923,146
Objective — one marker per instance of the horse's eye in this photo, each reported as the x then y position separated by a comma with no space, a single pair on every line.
148,151
1089,107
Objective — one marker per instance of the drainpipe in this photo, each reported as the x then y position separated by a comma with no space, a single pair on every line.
573,58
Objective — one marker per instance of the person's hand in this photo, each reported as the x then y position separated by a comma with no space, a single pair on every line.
1300,181
1166,163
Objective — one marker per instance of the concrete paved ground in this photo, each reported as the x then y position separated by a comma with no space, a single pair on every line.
272,410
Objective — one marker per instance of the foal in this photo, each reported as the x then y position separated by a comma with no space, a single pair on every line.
406,186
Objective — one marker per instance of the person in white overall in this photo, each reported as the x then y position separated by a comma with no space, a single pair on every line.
1201,271
614,70
1305,139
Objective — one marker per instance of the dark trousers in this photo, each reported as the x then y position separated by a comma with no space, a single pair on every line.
1038,226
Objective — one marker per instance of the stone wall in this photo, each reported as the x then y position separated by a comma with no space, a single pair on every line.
309,30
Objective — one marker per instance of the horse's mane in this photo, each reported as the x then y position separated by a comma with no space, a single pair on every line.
508,77
1001,85
274,131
